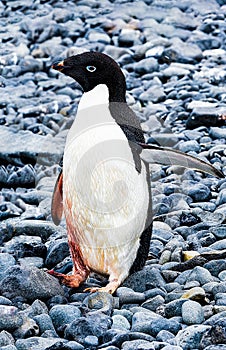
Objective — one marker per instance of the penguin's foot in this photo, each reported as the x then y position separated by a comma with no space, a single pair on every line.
72,281
109,288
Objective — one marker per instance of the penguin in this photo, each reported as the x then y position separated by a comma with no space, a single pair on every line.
104,187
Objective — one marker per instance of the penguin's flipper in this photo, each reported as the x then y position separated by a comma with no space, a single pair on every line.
57,200
166,156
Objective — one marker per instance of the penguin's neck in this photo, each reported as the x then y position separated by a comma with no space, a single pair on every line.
95,97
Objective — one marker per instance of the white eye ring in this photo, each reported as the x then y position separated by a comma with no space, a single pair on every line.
91,69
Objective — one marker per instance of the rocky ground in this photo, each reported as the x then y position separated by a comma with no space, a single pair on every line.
173,55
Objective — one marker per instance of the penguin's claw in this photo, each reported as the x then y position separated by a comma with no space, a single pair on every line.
72,281
109,288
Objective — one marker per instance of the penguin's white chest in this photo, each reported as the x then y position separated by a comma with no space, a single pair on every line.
105,198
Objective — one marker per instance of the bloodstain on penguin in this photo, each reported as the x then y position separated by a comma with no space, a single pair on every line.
104,188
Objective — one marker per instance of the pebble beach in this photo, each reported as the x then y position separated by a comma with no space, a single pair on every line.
173,55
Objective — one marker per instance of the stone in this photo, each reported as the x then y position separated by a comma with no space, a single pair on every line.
24,143
62,315
10,318
152,323
96,324
201,275
37,343
29,283
197,191
147,65
28,328
174,308
188,146
56,252
127,295
196,293
153,303
190,337
192,313
120,322
44,323
100,301
6,338
137,345
6,261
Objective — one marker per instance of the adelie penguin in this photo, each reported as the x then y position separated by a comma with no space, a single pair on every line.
104,187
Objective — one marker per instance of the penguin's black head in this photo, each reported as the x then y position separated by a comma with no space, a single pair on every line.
90,69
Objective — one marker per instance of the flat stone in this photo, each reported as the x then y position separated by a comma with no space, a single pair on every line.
30,283
37,343
24,143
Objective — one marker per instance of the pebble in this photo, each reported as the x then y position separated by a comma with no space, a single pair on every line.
62,315
190,337
127,295
96,324
120,322
195,293
39,285
103,302
192,313
37,343
174,308
10,318
28,328
6,261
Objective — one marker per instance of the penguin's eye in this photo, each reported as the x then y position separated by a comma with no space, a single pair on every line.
91,69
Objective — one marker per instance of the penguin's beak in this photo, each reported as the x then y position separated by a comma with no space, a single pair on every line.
59,65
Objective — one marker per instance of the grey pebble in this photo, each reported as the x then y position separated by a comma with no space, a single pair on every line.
63,315
174,308
44,323
127,295
120,322
6,338
100,301
190,337
36,343
192,313
10,318
6,261
8,347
